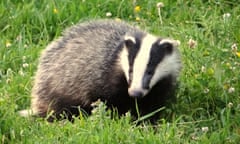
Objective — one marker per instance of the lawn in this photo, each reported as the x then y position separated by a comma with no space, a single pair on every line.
208,97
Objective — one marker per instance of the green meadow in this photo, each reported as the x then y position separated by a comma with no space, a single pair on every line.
207,109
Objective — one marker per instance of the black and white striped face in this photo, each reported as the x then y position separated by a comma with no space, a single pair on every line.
146,60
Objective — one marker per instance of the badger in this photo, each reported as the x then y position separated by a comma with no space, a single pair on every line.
109,60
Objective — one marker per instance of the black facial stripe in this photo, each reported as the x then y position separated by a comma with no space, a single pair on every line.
132,53
146,81
157,53
130,74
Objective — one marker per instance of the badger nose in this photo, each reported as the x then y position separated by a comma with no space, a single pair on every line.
135,94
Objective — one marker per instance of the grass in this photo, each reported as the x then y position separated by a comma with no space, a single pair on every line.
208,106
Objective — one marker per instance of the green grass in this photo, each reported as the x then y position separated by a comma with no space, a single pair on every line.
208,106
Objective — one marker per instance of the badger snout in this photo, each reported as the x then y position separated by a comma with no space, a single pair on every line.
135,94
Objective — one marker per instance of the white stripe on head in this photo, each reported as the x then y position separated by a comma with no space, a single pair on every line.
140,65
124,62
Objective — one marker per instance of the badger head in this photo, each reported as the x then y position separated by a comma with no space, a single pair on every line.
145,60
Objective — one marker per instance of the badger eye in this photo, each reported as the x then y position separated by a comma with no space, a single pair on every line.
130,72
149,72
146,81
168,47
129,43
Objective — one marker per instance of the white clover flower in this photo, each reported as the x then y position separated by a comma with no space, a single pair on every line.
230,105
160,4
203,69
232,68
231,90
19,37
234,47
25,65
108,14
204,129
206,90
21,73
192,43
24,58
8,81
226,16
194,137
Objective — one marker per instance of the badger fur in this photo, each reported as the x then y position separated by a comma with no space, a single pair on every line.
107,60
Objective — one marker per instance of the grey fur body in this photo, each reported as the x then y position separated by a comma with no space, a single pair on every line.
83,66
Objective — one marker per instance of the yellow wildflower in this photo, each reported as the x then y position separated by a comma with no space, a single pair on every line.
210,71
138,19
137,8
206,53
238,54
228,64
55,10
196,75
8,44
226,86
118,19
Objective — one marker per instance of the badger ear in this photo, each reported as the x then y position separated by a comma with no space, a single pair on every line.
169,44
129,41
174,43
